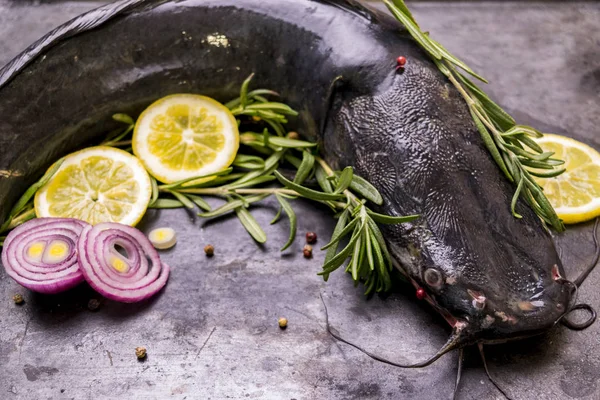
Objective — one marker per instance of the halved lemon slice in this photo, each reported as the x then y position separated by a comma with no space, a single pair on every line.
185,135
97,184
575,194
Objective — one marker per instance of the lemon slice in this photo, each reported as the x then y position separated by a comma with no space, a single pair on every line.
575,194
185,135
97,184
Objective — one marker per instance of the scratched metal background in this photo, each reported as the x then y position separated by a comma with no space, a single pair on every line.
213,333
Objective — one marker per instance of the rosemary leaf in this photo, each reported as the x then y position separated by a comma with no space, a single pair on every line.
363,188
154,190
273,107
490,145
182,182
29,193
182,198
251,225
454,60
295,161
529,143
233,204
337,236
550,163
354,262
413,29
404,9
527,154
199,201
277,216
331,252
277,127
498,115
340,257
124,118
550,174
369,249
248,162
292,217
290,143
251,95
244,91
308,161
166,204
306,192
376,247
513,203
252,182
380,240
388,219
321,176
344,180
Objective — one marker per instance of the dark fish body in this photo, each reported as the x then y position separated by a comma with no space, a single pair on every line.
492,276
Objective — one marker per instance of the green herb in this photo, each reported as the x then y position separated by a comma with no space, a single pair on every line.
256,165
250,180
509,144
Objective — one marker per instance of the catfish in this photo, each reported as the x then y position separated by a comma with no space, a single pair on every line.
493,277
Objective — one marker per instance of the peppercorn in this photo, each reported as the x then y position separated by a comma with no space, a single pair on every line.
209,250
293,135
18,299
140,353
93,304
401,61
283,323
311,237
421,293
307,251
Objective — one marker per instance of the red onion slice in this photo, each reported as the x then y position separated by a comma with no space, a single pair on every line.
41,254
130,277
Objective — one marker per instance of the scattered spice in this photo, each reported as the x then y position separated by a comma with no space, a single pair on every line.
93,304
307,251
421,293
311,237
209,250
283,323
401,61
18,299
140,353
293,135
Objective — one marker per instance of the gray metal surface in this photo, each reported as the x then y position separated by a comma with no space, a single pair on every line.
213,334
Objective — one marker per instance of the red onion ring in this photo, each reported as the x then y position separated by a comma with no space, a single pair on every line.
131,278
43,271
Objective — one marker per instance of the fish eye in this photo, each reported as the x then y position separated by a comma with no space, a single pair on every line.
433,277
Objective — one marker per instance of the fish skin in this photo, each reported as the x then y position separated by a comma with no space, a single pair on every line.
408,132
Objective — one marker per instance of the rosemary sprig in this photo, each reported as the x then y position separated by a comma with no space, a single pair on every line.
511,145
243,185
257,164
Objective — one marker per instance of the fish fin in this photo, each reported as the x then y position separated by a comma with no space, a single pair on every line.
487,372
461,357
453,342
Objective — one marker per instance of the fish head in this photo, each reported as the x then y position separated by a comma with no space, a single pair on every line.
496,274
510,305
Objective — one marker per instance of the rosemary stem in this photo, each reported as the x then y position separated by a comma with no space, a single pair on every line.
121,143
461,89
330,172
225,191
18,220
